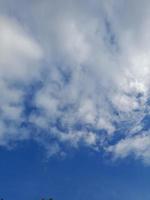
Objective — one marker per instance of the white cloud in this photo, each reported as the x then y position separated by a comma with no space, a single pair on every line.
92,60
138,145
16,51
18,63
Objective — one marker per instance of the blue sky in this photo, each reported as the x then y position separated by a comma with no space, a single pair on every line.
74,99
83,175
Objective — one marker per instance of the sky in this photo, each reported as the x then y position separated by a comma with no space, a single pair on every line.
74,99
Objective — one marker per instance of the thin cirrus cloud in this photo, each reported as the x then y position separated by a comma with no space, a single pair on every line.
76,74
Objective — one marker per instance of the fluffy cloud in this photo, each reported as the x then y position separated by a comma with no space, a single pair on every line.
138,145
77,73
18,52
